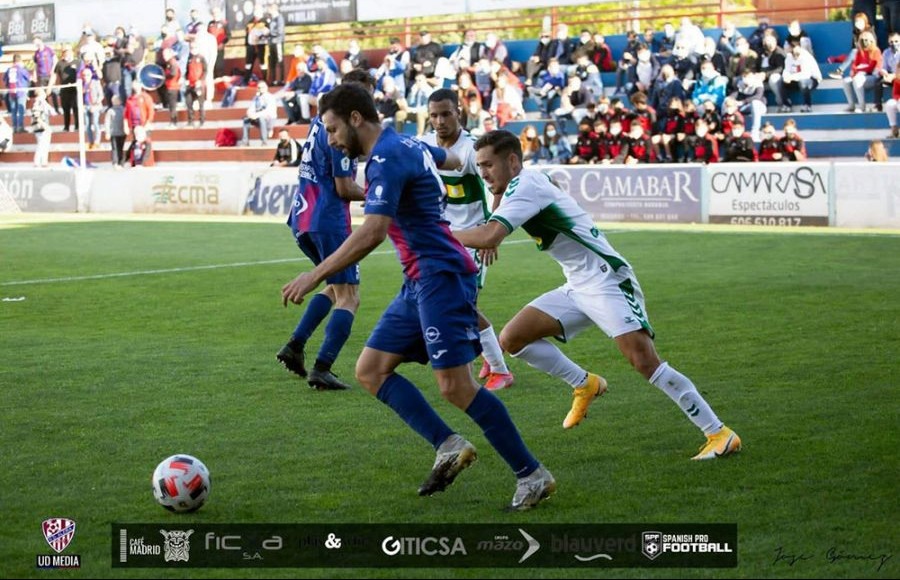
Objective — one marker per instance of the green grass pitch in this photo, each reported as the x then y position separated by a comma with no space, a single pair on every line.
792,338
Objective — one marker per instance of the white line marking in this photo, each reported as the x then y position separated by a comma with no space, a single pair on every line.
188,269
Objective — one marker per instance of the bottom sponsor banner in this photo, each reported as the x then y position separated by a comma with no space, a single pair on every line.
424,545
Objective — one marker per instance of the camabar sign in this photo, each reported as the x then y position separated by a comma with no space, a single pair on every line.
769,194
634,194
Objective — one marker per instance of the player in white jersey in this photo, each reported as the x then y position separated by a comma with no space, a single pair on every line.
466,207
601,289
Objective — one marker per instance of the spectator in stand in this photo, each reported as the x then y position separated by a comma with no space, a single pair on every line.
890,58
387,104
763,29
171,22
44,64
90,50
469,51
562,47
738,145
506,102
92,92
356,56
751,99
672,132
6,134
66,73
276,45
549,86
861,24
666,43
667,87
112,75
255,40
685,65
193,26
743,60
139,109
877,152
585,150
484,81
555,148
642,114
466,89
730,115
40,126
802,71
299,56
615,143
691,36
296,97
426,55
601,131
531,144
863,72
701,147
629,59
572,103
540,59
771,65
195,86
601,54
261,113
797,37
220,29
718,59
642,75
638,147
890,107
395,65
495,50
323,80
475,119
769,146
416,104
116,130
17,80
319,53
140,152
711,86
287,152
792,146
206,47
168,92
728,40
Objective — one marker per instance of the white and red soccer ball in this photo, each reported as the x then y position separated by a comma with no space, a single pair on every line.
181,483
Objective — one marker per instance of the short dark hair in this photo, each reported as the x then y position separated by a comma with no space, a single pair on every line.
344,99
361,77
444,95
503,143
394,40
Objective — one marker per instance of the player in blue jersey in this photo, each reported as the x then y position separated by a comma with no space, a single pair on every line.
320,222
433,318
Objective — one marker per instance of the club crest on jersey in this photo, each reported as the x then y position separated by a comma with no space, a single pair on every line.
58,532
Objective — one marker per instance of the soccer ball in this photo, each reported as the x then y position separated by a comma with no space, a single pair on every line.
181,483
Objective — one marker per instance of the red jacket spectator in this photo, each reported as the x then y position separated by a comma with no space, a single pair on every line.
770,150
866,61
139,110
793,147
173,75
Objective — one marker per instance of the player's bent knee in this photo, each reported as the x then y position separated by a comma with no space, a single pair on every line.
369,375
511,343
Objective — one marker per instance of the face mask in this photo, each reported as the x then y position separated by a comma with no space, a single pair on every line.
742,49
708,73
730,110
636,135
737,133
794,30
895,43
615,131
585,39
768,136
701,132
789,131
551,133
545,41
529,135
860,24
603,107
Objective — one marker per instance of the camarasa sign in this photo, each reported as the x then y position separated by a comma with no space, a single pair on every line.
634,194
769,194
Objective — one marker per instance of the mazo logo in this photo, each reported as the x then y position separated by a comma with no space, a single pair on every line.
177,546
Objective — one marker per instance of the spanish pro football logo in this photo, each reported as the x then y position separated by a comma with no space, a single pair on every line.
58,532
651,544
177,547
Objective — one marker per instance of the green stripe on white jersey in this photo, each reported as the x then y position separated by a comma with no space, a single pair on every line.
559,226
466,201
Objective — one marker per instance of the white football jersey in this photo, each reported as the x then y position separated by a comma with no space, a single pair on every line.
466,200
559,227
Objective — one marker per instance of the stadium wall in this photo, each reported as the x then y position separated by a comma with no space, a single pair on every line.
781,194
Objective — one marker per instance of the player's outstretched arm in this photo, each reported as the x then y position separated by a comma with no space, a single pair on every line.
360,243
484,237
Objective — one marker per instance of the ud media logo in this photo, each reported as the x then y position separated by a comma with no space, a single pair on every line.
58,532
651,544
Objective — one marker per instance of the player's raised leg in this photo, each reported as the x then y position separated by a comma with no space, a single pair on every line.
337,331
525,337
638,348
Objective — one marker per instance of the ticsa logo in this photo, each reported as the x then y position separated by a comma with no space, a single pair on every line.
429,546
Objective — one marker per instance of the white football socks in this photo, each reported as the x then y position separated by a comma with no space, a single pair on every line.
493,354
681,390
543,355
